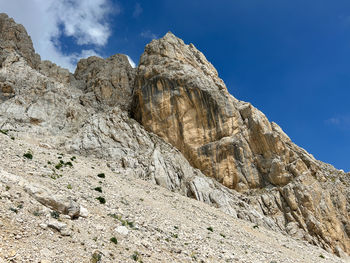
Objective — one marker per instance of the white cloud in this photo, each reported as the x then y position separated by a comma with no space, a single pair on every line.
148,34
342,121
46,20
137,11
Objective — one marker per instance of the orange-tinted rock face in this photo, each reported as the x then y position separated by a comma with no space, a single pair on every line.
179,96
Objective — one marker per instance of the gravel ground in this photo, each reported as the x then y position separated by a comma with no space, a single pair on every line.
139,221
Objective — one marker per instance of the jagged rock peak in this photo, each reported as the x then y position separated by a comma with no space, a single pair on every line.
14,37
109,80
176,52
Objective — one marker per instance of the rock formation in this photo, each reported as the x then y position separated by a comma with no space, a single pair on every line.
179,96
109,80
14,37
187,134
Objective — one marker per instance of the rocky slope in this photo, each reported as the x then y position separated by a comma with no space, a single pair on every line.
179,96
192,138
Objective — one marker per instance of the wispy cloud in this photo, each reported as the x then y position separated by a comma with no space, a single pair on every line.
137,10
342,121
148,34
47,20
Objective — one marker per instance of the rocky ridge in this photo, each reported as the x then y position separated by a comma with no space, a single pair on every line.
192,131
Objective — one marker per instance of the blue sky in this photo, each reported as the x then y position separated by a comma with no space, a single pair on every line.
290,59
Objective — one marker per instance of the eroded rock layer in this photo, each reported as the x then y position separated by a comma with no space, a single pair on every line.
186,120
179,96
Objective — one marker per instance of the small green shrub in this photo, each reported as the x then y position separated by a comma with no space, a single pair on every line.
69,186
58,166
28,155
136,256
114,240
101,199
98,189
96,257
55,214
101,175
210,229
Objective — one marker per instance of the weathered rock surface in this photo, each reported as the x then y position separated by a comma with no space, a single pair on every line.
189,121
14,37
179,96
109,80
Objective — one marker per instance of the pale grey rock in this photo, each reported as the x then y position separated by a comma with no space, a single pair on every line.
122,230
59,226
83,212
106,81
282,186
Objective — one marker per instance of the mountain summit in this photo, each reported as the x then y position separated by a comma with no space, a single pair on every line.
170,122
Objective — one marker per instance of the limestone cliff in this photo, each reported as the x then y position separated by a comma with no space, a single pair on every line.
179,96
14,37
192,137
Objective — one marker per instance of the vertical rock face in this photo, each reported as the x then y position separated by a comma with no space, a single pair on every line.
179,96
14,37
109,80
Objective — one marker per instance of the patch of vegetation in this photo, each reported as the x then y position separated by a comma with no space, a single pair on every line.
175,235
69,186
122,221
36,213
55,176
114,240
96,257
62,164
28,155
55,214
101,175
101,199
256,227
58,166
210,229
73,158
114,216
223,235
98,189
136,257
322,256
7,188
